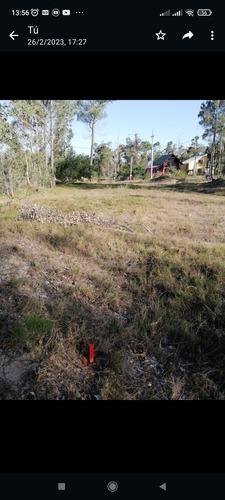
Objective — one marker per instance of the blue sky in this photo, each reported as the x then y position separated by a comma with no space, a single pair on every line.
170,120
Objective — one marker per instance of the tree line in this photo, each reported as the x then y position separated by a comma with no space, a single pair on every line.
35,141
35,144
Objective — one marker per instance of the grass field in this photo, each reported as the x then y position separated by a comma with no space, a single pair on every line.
147,289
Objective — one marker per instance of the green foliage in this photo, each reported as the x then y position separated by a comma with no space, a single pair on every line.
103,159
64,111
33,133
72,168
195,148
212,118
123,172
91,111
178,174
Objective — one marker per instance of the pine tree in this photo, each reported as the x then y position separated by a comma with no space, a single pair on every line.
91,112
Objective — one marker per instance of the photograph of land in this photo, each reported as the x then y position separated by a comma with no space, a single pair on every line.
112,245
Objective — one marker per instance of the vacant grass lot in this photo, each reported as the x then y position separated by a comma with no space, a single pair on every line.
148,292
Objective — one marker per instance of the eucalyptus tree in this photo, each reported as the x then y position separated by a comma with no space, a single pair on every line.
61,115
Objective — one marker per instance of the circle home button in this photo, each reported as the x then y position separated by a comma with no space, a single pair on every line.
112,486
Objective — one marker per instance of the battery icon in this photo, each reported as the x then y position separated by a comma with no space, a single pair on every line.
204,12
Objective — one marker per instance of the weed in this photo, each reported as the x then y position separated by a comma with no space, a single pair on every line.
32,329
35,263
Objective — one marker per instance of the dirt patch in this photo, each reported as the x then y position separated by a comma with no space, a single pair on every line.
12,264
15,373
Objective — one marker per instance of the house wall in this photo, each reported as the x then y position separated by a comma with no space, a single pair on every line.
161,169
200,164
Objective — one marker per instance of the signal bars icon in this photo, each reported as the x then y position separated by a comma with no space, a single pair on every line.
178,13
166,13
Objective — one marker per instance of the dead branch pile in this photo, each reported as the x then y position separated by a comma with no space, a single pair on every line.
44,214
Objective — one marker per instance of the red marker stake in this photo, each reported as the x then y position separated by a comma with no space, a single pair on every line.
91,353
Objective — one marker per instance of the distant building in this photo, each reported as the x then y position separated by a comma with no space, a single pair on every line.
195,165
163,163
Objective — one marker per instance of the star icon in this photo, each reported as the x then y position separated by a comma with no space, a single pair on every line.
160,35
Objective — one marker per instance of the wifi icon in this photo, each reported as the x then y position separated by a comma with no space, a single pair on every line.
190,12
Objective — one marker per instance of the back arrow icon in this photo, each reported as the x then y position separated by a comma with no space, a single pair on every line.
188,35
13,34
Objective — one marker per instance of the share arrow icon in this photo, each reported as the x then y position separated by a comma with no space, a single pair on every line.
188,35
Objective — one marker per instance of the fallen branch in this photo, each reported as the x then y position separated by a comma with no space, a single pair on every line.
139,224
117,229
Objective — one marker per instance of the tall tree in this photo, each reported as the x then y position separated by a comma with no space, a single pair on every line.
61,114
35,131
195,148
103,158
169,147
65,112
10,153
22,115
53,180
91,112
212,118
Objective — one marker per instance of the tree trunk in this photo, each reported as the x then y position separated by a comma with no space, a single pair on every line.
31,148
214,160
27,169
53,184
220,154
11,183
38,152
4,178
45,141
92,141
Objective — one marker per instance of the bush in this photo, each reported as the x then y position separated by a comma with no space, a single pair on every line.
177,174
73,168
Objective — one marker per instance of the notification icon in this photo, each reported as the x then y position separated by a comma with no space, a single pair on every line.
56,12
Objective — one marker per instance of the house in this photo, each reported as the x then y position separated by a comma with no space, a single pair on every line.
195,165
163,163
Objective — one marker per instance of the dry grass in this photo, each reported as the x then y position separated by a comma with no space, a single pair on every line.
150,299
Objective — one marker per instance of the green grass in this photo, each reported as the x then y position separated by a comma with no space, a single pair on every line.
153,290
31,329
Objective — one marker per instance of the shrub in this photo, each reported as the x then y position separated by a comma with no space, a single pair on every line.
73,168
177,174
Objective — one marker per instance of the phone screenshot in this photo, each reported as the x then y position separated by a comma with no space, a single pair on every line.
112,218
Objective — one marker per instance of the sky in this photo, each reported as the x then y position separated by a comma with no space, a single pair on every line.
172,120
